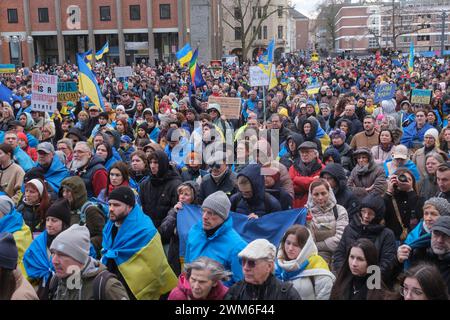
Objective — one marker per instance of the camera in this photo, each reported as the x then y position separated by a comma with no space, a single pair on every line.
402,178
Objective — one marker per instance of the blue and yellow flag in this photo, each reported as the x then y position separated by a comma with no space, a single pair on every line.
267,57
87,56
265,62
13,223
37,262
271,226
87,84
184,55
105,49
411,58
137,250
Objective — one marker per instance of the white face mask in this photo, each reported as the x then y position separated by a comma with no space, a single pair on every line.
17,105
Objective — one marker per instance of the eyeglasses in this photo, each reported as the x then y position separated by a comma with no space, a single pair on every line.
250,263
415,292
215,165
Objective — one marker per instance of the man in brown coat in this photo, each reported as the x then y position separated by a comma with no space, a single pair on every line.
367,138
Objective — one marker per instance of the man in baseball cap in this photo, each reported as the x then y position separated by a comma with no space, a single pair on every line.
55,171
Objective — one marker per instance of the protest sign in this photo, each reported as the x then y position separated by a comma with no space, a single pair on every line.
44,92
258,78
216,68
384,92
419,96
230,107
67,91
123,72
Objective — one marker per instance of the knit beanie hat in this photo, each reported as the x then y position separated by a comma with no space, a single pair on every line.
441,204
60,209
123,194
376,203
338,133
74,242
432,132
6,204
219,203
8,251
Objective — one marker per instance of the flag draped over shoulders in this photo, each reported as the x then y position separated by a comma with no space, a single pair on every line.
37,262
138,253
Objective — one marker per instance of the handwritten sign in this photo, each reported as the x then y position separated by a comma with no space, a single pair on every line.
419,96
123,72
230,107
44,92
67,91
258,78
384,92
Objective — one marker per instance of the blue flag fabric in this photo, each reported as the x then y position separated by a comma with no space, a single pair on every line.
270,226
5,94
37,263
11,222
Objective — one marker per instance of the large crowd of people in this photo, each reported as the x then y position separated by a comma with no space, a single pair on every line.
93,193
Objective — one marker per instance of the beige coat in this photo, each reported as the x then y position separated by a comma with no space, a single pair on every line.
24,290
325,229
11,180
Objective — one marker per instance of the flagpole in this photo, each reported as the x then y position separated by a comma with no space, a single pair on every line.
264,103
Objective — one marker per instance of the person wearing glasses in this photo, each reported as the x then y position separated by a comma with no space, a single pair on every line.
220,177
423,282
260,283
129,103
90,168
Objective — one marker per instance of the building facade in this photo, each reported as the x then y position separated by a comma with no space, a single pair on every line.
275,26
53,31
370,27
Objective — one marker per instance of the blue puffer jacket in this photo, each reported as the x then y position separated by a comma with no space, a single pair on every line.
223,246
410,133
56,173
260,199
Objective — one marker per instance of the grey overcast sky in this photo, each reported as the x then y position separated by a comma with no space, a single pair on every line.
306,7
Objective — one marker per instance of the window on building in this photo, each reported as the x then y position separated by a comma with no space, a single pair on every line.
265,32
405,39
135,12
164,11
373,42
280,11
439,39
237,33
260,33
280,32
423,38
259,12
43,15
237,13
105,13
12,16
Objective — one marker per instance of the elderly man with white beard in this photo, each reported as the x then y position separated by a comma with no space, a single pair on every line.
89,167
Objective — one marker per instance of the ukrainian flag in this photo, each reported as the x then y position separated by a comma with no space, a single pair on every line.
37,261
13,223
105,49
266,64
411,57
87,84
185,54
138,253
87,56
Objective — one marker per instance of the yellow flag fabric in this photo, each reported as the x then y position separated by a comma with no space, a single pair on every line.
273,78
23,240
147,273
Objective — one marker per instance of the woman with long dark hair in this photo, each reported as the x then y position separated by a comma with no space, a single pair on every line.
105,151
383,150
139,169
351,282
118,176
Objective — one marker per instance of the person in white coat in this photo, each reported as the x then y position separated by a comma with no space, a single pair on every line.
298,261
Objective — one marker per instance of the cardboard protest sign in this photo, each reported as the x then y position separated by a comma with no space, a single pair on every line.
384,92
123,72
68,91
230,107
44,92
419,96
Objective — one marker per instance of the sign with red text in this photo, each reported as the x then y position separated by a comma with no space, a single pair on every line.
44,92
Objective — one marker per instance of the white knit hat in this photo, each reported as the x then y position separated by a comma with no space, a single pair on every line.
432,132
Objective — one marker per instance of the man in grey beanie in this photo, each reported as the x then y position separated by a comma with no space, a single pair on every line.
77,275
214,236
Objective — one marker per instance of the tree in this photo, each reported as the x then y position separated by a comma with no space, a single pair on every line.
328,10
244,15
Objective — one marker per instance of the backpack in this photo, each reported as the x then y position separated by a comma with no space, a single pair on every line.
335,212
99,287
235,202
103,207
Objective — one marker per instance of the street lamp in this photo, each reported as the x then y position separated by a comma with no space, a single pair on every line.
444,16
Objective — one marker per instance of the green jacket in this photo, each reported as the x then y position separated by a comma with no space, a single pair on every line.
114,289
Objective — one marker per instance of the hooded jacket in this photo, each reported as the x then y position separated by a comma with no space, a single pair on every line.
381,236
223,246
95,219
362,178
290,157
167,229
309,273
325,229
344,196
158,194
227,184
56,173
345,153
312,135
183,291
260,198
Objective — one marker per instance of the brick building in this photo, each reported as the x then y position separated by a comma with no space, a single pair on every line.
53,31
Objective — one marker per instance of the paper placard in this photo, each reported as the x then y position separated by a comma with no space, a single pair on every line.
44,92
230,107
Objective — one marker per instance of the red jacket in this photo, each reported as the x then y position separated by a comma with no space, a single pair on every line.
183,291
301,185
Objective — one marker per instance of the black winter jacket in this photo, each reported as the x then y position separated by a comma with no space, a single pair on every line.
382,237
271,289
226,184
